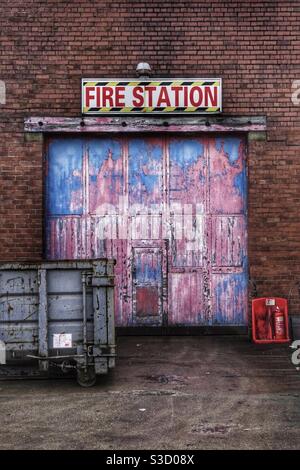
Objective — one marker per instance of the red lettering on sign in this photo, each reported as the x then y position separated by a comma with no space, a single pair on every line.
98,89
89,96
107,96
196,101
210,98
177,90
138,96
185,96
120,95
163,99
150,90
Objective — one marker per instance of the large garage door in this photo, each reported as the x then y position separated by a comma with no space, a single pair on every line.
172,211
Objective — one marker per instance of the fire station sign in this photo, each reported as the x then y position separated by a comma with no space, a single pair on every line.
201,95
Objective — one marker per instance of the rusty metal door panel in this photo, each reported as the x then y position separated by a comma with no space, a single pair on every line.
19,306
102,233
64,180
188,239
229,298
145,226
12,286
21,337
187,170
12,310
66,238
147,286
65,199
68,307
64,290
146,181
19,283
64,293
106,232
229,241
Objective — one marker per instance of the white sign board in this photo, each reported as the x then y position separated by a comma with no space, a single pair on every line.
186,95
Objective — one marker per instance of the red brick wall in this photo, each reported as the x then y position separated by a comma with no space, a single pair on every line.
47,46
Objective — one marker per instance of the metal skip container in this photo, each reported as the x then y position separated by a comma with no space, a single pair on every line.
57,317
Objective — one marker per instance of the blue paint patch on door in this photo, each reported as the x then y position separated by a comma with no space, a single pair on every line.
64,182
145,171
240,185
106,173
101,149
230,299
147,271
231,146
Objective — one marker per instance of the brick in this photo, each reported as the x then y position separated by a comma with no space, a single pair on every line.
253,45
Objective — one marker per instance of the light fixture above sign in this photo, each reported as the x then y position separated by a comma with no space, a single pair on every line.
132,96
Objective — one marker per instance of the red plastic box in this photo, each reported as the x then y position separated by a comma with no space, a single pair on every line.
263,320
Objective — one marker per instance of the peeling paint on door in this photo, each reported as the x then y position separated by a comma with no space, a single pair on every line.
172,210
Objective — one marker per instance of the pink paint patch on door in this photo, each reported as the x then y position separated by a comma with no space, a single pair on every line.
186,299
227,173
